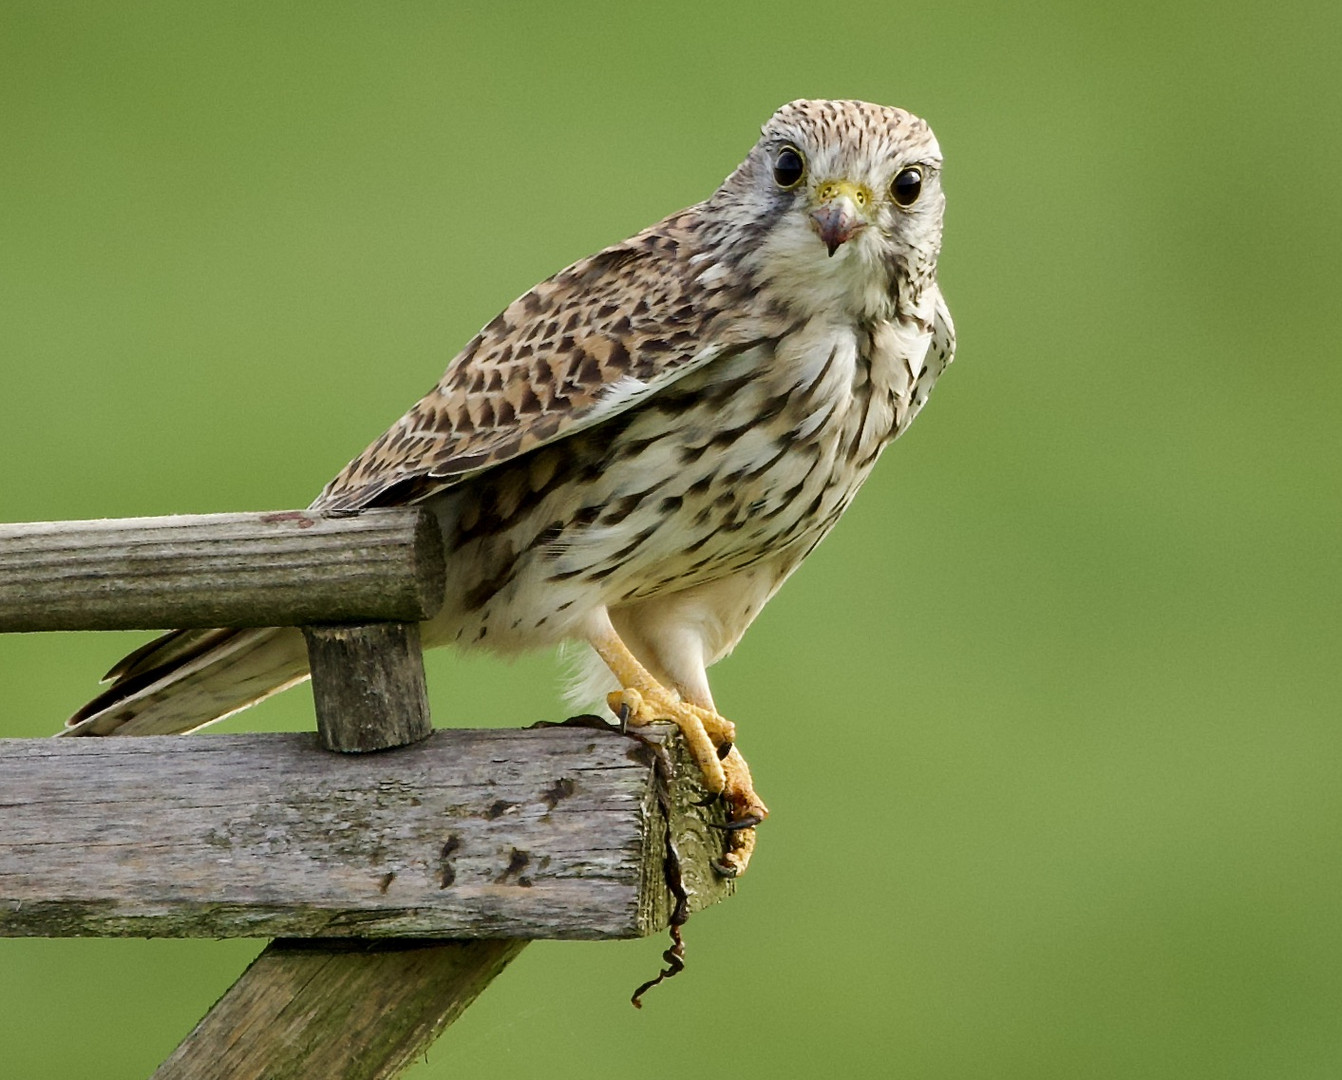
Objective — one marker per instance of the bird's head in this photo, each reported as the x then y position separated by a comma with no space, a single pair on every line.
839,203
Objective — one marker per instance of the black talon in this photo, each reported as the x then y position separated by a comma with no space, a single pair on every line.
747,822
707,800
724,750
723,869
624,714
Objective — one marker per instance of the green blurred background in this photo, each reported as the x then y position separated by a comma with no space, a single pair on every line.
1048,726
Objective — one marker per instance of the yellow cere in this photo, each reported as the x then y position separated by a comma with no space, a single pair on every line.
833,189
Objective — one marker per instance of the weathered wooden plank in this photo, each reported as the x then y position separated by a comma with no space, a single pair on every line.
363,1014
283,568
368,686
364,1007
554,833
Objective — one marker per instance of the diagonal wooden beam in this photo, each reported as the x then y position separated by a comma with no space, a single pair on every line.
333,1012
364,1009
571,833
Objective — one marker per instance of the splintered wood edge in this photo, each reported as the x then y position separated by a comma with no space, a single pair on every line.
697,843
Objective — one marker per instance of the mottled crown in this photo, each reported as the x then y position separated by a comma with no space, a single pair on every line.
861,128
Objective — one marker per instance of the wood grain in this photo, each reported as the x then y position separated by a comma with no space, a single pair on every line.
321,1013
554,833
260,569
411,876
368,686
362,1007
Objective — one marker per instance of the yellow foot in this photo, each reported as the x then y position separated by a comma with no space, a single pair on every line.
745,810
702,729
710,738
736,857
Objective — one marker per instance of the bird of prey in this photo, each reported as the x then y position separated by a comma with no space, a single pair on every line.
637,452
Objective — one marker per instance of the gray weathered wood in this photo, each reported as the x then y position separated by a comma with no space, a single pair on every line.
360,1014
364,1007
368,686
486,839
283,568
552,833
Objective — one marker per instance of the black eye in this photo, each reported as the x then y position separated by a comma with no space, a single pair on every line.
789,167
907,186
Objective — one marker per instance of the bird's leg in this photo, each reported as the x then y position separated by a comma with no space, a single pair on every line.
709,736
643,699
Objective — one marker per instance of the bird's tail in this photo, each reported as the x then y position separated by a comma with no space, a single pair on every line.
188,678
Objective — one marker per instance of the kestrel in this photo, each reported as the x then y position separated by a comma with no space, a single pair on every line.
637,452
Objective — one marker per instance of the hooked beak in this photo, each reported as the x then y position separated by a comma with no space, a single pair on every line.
841,213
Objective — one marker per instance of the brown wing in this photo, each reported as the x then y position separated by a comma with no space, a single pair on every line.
584,345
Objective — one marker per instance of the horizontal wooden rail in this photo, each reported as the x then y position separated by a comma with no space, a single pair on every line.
413,867
550,833
285,568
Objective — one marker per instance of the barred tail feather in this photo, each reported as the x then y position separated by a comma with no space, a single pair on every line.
189,678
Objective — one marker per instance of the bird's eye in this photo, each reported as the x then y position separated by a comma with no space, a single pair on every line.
907,186
789,167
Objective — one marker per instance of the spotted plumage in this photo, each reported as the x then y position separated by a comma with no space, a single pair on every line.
638,451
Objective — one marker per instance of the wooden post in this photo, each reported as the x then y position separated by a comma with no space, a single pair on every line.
438,867
368,686
375,1009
